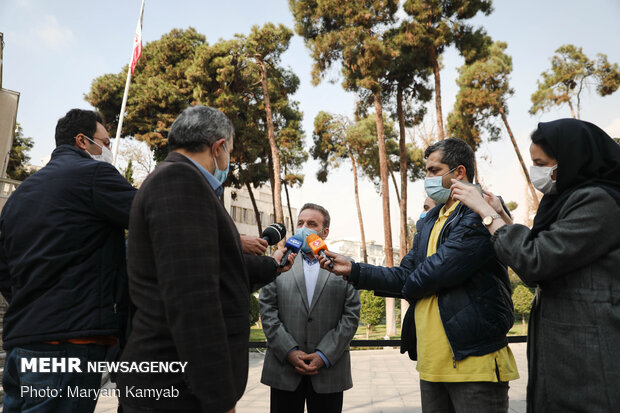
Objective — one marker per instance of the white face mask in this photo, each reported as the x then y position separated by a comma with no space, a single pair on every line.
541,178
105,156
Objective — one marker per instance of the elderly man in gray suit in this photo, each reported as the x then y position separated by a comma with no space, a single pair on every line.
309,317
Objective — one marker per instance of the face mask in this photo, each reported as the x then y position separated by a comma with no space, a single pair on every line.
541,178
105,156
435,190
221,174
303,233
422,215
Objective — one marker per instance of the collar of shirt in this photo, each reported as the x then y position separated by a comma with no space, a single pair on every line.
215,184
310,260
444,213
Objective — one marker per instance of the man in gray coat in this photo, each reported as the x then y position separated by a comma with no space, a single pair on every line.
309,317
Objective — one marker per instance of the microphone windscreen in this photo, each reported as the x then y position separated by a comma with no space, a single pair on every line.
274,233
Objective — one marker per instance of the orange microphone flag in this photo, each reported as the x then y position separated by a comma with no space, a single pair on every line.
316,244
318,247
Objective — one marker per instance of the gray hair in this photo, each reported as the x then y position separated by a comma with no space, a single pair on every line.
199,127
323,211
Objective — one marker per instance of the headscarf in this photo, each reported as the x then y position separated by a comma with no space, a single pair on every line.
586,156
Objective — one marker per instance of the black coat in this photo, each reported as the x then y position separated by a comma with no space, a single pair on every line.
472,286
62,251
190,283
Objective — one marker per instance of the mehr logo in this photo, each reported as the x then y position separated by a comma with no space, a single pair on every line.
316,243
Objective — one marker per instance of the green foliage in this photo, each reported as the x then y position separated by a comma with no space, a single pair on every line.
336,139
159,89
514,279
182,69
373,308
570,74
18,156
347,32
128,172
254,310
522,299
483,91
512,205
438,24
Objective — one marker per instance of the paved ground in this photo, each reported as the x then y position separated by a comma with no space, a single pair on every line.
384,381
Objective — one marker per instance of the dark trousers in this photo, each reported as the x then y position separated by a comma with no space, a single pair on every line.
293,401
30,391
466,397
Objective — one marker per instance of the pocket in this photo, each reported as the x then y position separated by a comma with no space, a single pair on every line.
573,369
42,385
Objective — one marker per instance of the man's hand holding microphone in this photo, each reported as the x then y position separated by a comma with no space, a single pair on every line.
273,234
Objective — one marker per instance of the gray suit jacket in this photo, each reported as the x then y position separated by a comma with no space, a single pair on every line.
327,324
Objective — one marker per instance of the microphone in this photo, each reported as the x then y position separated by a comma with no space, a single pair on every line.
318,247
293,244
274,233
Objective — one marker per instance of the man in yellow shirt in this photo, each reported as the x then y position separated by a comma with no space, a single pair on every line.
461,307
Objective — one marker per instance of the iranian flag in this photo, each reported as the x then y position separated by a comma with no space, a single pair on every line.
137,41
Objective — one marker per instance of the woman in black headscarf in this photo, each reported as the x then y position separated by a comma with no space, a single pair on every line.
572,256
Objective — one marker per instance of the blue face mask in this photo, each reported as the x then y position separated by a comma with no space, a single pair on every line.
221,174
303,233
435,190
422,215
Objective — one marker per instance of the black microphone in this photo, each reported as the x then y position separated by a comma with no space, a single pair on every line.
274,233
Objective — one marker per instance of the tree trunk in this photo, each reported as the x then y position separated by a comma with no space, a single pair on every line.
277,178
403,174
271,182
523,326
256,212
404,304
390,305
288,204
394,181
433,56
572,110
367,332
359,209
514,144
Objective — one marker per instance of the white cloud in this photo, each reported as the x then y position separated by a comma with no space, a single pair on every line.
53,34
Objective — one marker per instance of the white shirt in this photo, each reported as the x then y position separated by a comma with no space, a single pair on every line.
311,275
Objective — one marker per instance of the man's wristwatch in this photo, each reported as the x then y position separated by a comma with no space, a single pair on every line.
488,220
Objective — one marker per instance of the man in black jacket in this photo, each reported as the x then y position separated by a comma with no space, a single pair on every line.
459,292
62,268
188,277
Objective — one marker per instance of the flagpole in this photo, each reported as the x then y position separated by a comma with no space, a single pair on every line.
117,142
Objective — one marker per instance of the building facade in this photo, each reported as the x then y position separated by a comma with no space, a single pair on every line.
239,205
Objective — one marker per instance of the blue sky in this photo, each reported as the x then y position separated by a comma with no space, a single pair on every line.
54,49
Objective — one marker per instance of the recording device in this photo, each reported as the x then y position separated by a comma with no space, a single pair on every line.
293,244
318,247
274,233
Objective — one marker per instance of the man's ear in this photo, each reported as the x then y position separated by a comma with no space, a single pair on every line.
325,232
80,141
219,145
461,173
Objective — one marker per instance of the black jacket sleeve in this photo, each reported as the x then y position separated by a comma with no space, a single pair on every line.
112,195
